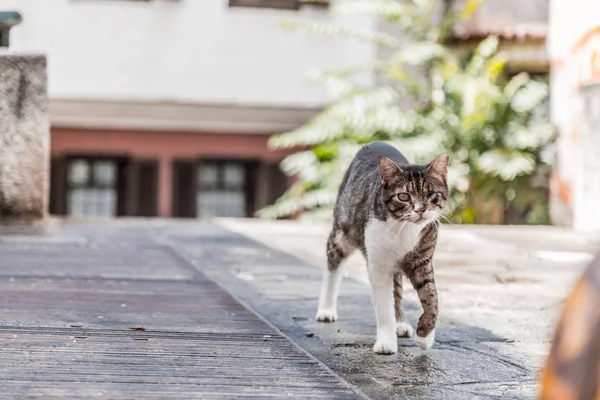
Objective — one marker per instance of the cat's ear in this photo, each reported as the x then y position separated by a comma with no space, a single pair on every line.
388,169
439,166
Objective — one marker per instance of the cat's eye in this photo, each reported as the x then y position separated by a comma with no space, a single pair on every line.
433,198
404,197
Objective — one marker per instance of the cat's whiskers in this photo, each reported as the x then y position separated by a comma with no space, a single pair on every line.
399,234
390,231
448,220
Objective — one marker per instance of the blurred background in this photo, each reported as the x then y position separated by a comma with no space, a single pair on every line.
243,108
202,109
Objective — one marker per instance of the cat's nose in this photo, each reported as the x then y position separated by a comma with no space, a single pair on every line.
419,211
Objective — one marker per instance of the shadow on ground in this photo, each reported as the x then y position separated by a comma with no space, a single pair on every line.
466,361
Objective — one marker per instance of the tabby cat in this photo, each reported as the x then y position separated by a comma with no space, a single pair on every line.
388,209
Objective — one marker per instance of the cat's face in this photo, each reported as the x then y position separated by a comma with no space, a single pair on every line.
417,193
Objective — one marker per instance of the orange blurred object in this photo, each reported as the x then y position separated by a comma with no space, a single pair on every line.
573,368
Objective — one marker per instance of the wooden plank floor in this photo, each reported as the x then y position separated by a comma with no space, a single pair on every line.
131,319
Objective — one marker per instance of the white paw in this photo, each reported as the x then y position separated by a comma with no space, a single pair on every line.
426,342
404,329
326,315
385,346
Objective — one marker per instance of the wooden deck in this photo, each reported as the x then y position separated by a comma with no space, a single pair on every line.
121,315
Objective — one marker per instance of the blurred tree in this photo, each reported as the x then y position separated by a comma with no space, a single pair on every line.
424,101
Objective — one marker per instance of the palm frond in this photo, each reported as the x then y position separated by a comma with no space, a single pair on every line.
335,30
529,96
391,10
482,53
423,100
530,137
506,164
337,86
419,149
516,83
336,120
287,206
419,53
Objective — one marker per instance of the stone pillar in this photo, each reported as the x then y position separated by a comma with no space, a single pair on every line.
24,138
165,187
587,166
574,52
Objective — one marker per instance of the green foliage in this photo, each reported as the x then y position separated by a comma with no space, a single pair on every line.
431,102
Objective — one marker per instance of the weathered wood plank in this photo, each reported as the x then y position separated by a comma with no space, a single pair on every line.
135,321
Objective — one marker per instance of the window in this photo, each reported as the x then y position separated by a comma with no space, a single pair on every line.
92,188
279,4
101,187
222,189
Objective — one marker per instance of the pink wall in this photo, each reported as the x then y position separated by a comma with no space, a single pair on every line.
164,147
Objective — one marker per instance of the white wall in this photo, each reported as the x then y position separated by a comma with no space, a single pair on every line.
178,50
574,51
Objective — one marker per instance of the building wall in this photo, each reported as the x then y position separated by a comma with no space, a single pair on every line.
198,51
574,51
173,80
522,27
168,148
516,18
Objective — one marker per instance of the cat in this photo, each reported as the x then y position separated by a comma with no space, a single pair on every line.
388,209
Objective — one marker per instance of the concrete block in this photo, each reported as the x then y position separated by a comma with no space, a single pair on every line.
586,182
24,138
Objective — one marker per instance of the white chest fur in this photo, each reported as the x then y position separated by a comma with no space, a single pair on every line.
388,242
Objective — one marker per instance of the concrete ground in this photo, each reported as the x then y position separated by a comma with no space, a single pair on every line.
73,291
509,282
115,311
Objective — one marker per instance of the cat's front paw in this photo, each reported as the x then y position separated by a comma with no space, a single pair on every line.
385,346
326,315
425,342
404,329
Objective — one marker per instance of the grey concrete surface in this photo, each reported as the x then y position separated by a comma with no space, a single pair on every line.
501,291
24,137
119,314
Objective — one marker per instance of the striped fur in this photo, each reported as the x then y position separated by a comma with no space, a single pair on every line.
388,209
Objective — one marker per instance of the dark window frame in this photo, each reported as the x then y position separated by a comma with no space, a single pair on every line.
91,160
276,4
58,185
119,185
138,183
186,185
248,186
143,188
220,164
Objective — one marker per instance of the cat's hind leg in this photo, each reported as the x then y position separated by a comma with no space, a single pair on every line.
338,250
